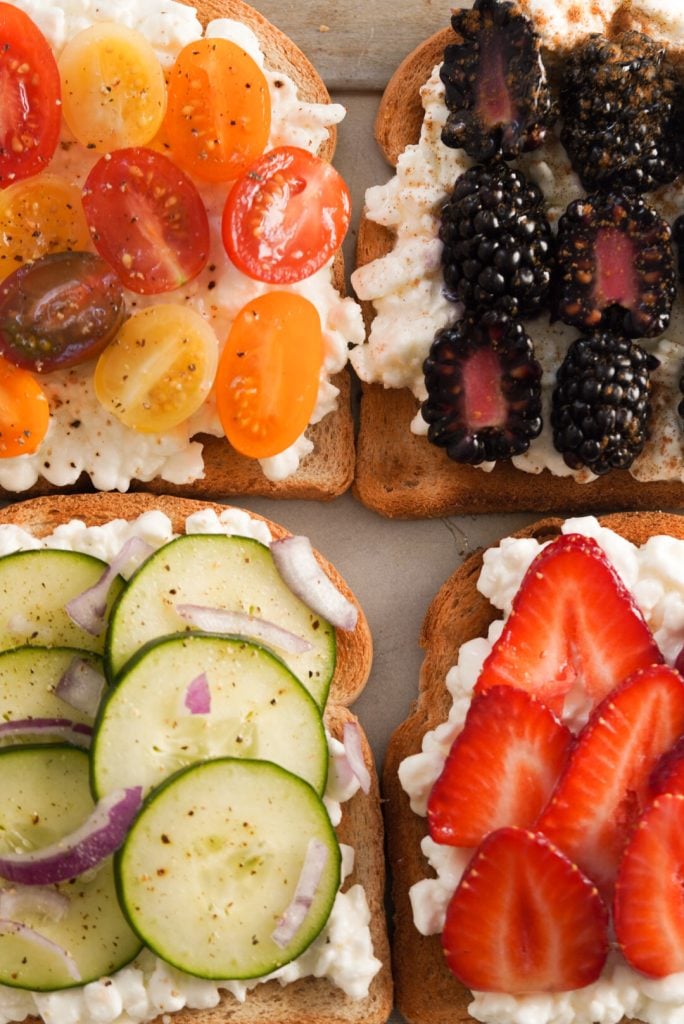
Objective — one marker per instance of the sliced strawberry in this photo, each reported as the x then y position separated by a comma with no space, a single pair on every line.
524,919
500,770
649,899
604,789
668,774
573,625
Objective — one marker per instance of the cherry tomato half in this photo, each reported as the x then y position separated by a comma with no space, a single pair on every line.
268,375
59,311
29,97
24,412
286,216
147,220
219,110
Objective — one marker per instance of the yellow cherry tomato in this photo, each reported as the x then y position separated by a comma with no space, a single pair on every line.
159,368
269,372
39,216
24,412
113,88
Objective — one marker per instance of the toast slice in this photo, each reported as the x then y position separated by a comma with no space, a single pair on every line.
400,474
426,991
328,470
309,1000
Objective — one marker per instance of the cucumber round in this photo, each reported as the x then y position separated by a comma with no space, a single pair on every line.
213,860
144,731
28,677
45,795
35,587
234,573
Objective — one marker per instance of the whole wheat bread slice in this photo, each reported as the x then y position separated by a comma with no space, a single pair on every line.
426,991
402,475
310,1000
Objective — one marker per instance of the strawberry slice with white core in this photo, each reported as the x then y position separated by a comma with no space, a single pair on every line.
501,768
649,897
573,626
524,919
605,787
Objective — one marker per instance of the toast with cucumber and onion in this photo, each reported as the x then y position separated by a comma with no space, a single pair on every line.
189,817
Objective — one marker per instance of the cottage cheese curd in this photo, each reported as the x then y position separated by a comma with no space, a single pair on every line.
147,987
83,436
654,573
406,286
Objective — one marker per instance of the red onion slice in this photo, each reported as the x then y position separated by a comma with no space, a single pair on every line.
351,738
89,608
17,928
73,732
198,696
103,833
33,899
220,620
309,879
296,563
81,686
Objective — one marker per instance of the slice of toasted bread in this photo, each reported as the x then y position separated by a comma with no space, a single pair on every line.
310,1000
426,991
402,475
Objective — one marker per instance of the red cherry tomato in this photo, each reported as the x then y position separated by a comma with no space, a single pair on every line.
286,216
147,220
29,97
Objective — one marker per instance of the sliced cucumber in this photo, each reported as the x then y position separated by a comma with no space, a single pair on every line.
213,860
28,677
234,573
45,795
145,732
35,586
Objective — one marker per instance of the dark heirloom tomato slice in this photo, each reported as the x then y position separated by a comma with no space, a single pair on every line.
29,97
147,220
59,311
286,216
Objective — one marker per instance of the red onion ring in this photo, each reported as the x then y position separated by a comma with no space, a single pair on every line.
17,928
81,686
295,561
198,696
99,836
295,913
33,899
220,620
351,738
89,608
73,732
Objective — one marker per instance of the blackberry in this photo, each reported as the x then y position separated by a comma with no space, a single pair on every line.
484,389
618,102
615,266
497,241
601,403
496,90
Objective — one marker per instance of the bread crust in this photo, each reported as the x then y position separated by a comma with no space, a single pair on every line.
308,1001
400,474
426,992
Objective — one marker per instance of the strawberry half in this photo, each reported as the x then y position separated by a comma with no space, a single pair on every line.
524,919
573,625
649,903
501,768
604,789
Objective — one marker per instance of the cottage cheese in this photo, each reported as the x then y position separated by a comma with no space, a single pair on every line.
654,573
406,285
85,437
147,987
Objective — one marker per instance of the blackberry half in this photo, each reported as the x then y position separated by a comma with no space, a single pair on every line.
618,102
498,245
484,390
615,266
601,403
496,92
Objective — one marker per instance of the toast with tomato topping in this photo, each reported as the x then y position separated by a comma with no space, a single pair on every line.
513,735
309,999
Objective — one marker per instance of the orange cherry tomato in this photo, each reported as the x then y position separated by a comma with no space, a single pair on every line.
268,375
29,97
219,110
24,412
